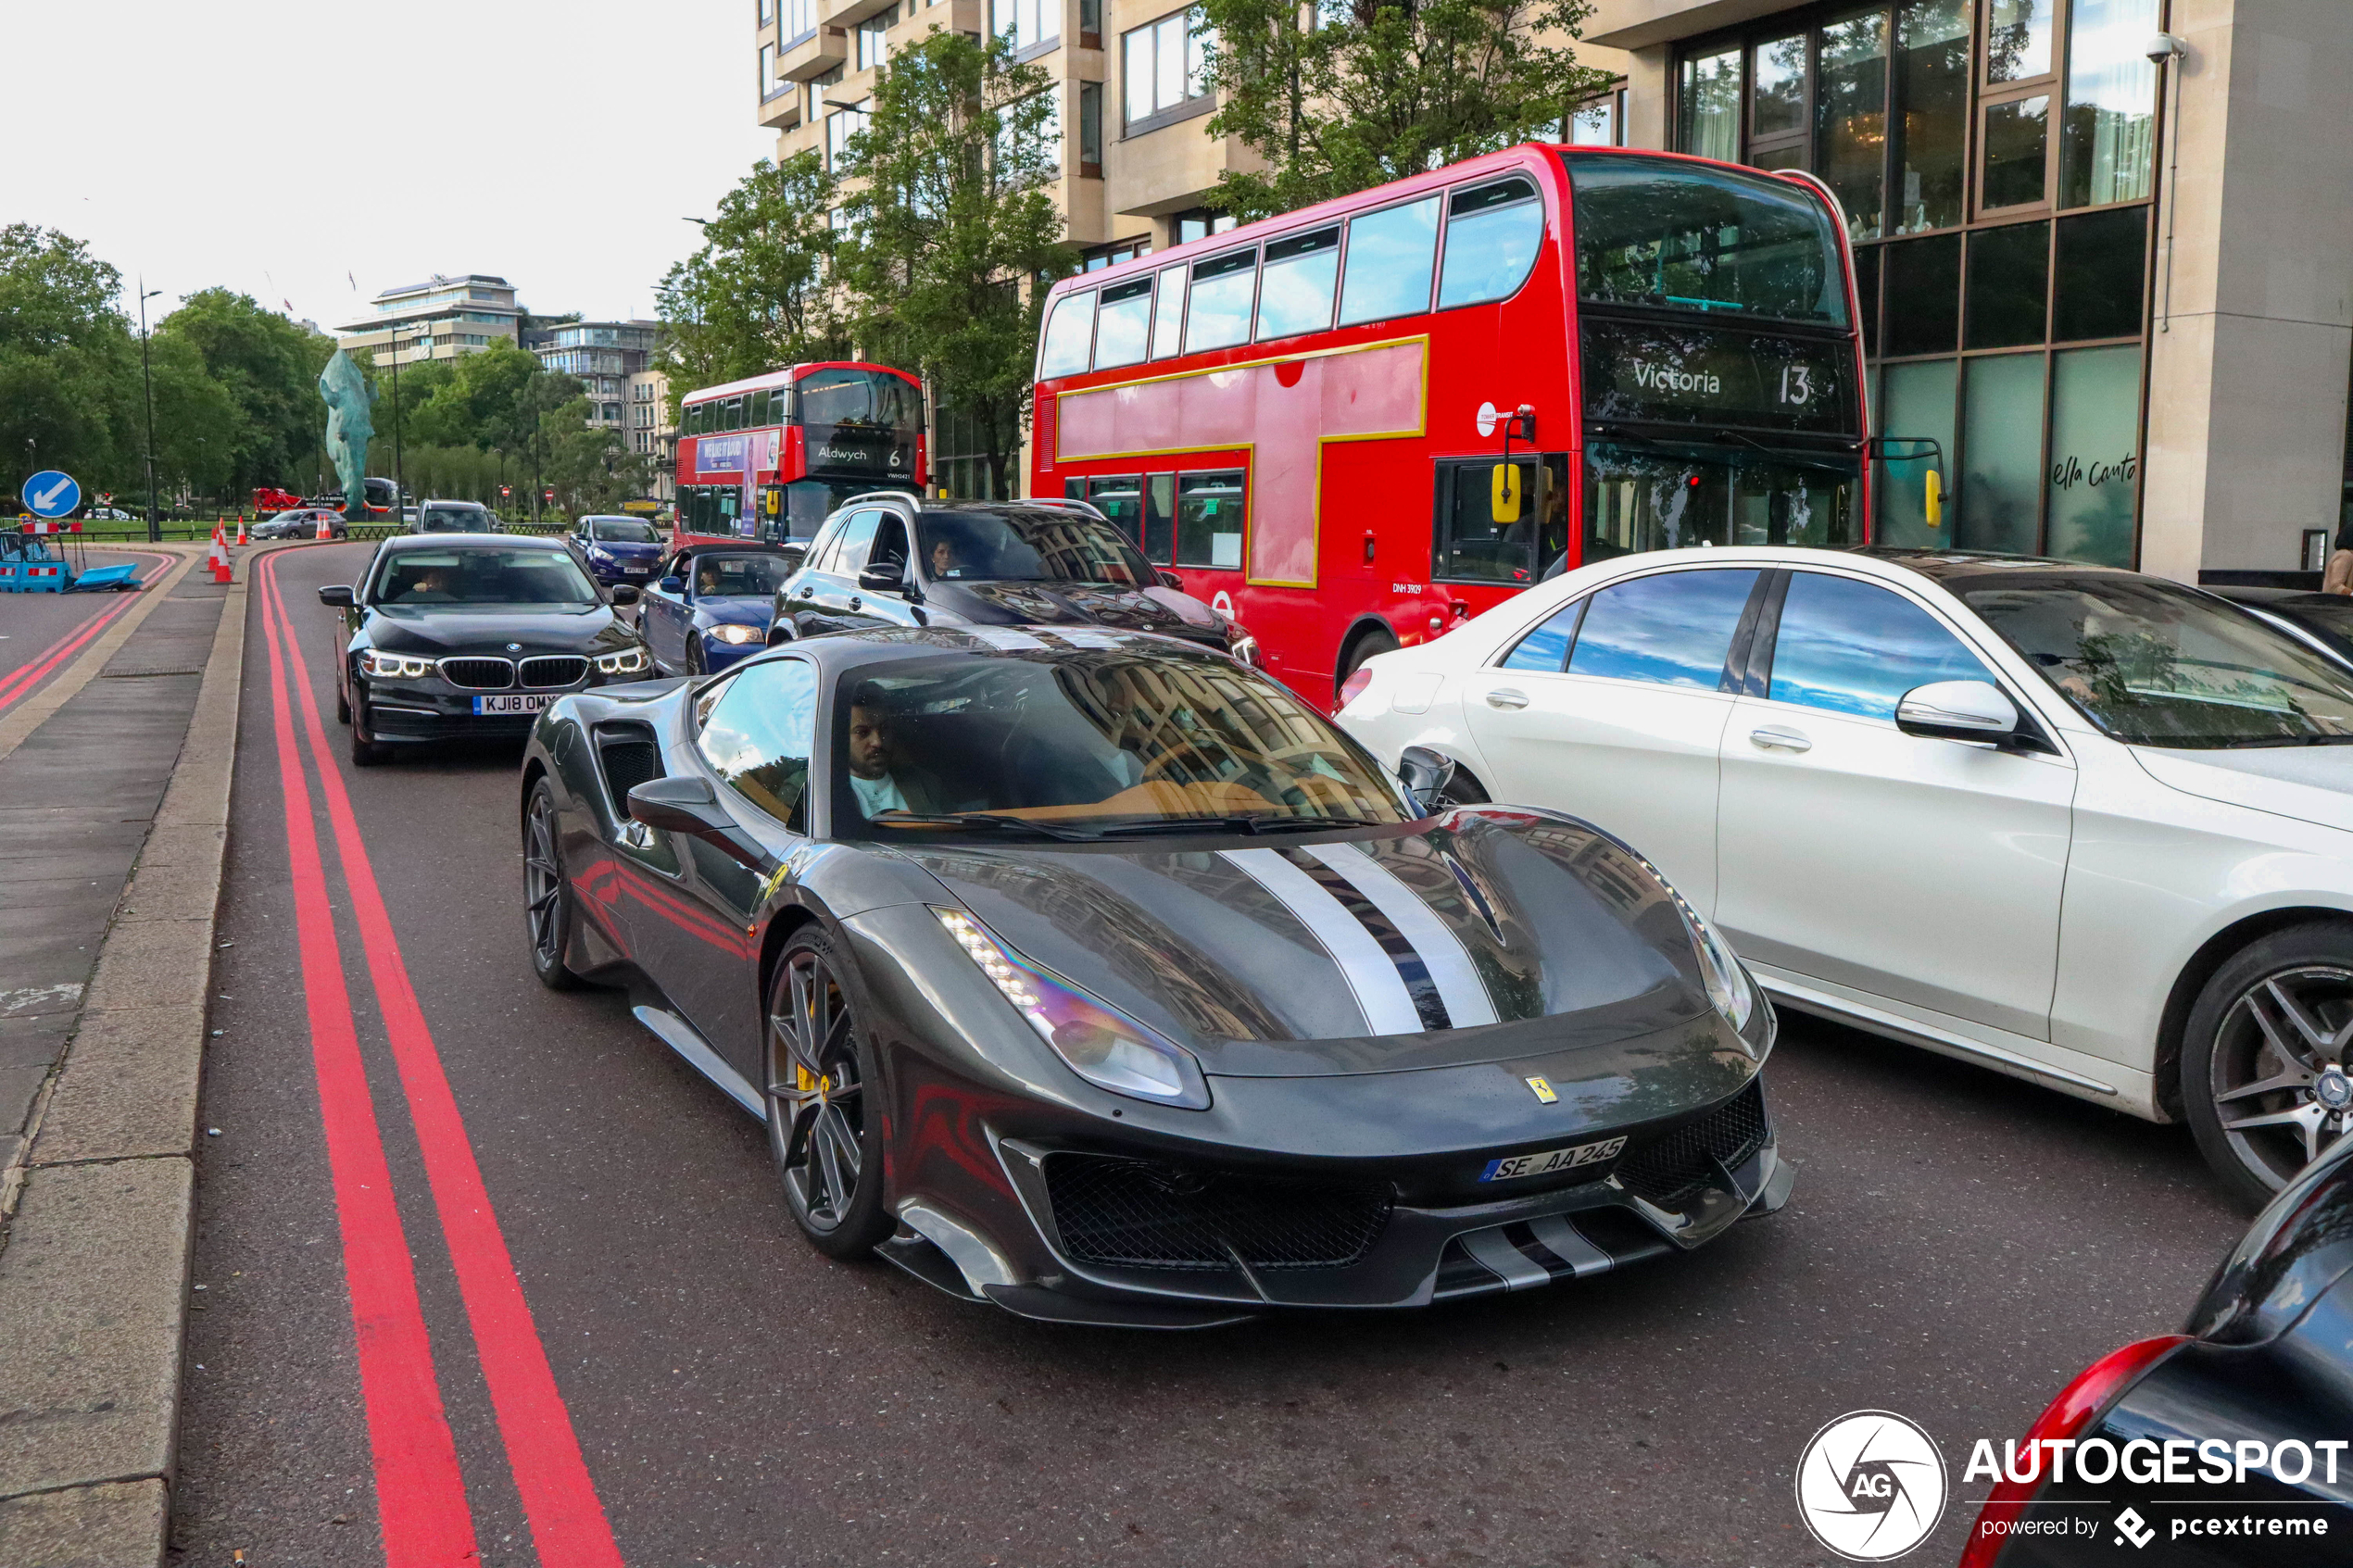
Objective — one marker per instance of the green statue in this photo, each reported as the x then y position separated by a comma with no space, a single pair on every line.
350,428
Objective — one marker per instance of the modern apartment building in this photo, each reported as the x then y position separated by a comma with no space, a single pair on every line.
604,355
440,319
645,410
2105,248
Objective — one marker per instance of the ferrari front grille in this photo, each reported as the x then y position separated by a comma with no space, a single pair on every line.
1142,1215
479,674
1674,1165
554,669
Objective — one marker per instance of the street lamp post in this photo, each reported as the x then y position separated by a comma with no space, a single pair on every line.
147,375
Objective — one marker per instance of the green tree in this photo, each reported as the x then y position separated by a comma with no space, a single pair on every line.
1340,95
268,368
200,429
69,363
753,298
949,223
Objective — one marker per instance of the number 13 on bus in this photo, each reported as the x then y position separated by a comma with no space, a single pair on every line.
1359,423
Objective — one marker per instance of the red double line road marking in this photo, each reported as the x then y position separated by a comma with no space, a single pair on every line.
421,1495
568,1522
18,681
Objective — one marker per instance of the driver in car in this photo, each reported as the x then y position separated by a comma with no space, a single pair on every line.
431,584
879,785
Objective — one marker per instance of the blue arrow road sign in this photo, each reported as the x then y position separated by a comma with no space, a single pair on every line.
51,494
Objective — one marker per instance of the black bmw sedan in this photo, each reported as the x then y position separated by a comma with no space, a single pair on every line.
893,559
453,635
1096,976
2228,1445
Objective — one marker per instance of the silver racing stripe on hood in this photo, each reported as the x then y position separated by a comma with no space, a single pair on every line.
1442,952
1407,971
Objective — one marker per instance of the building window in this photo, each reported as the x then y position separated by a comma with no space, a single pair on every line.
1198,224
1091,130
840,126
1599,122
873,43
1997,186
1031,23
1112,255
801,20
814,91
768,85
1091,24
767,12
1166,68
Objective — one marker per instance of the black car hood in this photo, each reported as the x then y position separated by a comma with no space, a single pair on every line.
1079,603
437,629
1475,938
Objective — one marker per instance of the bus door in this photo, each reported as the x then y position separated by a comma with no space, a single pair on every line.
1499,525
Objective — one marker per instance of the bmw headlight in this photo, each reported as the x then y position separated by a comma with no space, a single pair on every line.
1101,1044
734,633
628,661
379,665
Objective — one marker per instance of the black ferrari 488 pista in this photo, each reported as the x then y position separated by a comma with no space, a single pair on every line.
1097,976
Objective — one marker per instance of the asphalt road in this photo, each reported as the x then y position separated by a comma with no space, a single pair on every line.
40,634
1958,1245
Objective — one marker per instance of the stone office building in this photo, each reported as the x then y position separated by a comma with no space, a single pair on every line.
2105,248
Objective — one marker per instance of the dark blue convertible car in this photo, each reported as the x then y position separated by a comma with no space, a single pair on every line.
712,604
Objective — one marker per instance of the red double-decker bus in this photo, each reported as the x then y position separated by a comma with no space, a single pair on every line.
1358,423
770,456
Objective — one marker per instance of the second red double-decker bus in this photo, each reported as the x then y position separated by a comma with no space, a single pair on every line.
1357,423
771,455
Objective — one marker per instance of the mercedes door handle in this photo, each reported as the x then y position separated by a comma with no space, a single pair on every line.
855,601
1781,740
1505,697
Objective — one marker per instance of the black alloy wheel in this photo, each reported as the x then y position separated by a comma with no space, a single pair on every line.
548,906
1462,788
695,664
2267,1060
825,1133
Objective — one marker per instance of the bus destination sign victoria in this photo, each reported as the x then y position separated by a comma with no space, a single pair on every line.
1655,374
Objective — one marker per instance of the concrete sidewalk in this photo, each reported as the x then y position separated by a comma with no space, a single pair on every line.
116,781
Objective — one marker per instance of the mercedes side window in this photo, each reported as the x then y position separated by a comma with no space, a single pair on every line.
1855,647
1673,629
857,543
757,736
1491,234
1547,648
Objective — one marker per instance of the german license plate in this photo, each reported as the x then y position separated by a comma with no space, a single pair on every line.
514,702
1550,1161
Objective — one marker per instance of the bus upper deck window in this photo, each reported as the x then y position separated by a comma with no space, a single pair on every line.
1223,287
1168,313
758,415
1295,291
1070,332
1491,234
1392,256
1121,324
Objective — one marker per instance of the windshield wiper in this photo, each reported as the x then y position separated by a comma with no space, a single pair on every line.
2251,742
1252,824
978,820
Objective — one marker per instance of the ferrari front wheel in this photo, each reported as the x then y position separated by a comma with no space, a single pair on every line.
824,1131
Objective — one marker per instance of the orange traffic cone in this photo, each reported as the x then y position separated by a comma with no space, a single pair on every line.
219,555
324,531
241,530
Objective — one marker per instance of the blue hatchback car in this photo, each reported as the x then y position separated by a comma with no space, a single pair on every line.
617,550
712,604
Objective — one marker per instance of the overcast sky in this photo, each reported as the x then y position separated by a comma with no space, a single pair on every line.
285,149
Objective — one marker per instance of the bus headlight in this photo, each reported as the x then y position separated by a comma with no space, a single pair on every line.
628,661
379,666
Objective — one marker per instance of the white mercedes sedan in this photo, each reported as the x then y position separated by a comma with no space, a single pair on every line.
2081,826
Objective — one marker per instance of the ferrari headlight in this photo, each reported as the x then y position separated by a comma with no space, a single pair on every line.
734,633
1101,1044
380,666
1730,989
628,661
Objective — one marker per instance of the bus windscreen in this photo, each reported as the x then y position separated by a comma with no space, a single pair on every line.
1680,235
869,399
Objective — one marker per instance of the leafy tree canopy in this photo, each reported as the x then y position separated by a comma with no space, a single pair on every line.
754,297
1337,96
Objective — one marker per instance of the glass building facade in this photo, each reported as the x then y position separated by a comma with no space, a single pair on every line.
1996,161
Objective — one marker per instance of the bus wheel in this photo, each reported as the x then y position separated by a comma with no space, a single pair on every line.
1377,639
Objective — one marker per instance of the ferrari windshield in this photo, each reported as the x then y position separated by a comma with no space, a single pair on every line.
1091,741
1024,547
480,574
2154,663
